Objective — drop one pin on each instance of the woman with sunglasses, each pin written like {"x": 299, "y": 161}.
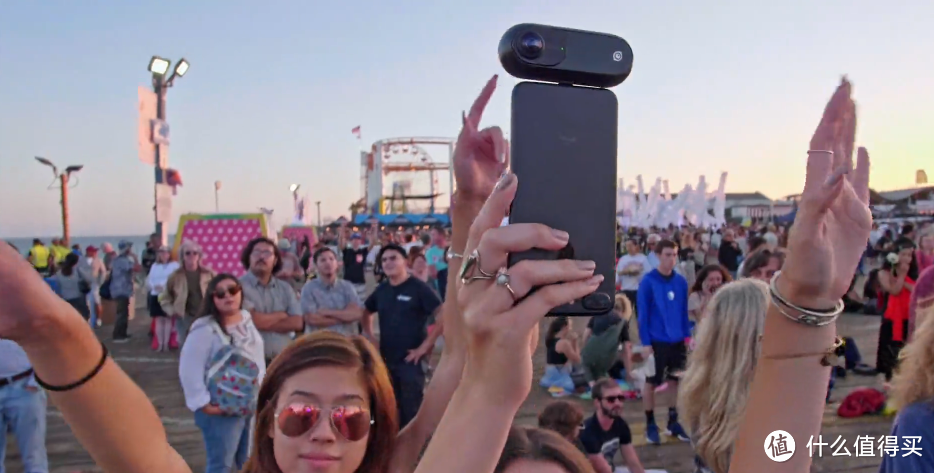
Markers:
{"x": 223, "y": 336}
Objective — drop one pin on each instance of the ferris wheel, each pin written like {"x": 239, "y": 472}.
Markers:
{"x": 403, "y": 175}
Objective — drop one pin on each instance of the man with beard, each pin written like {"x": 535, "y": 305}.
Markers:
{"x": 405, "y": 305}
{"x": 606, "y": 432}
{"x": 328, "y": 302}
{"x": 271, "y": 301}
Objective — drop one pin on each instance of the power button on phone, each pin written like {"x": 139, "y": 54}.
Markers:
{"x": 597, "y": 301}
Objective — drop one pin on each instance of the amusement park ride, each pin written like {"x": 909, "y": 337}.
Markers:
{"x": 404, "y": 163}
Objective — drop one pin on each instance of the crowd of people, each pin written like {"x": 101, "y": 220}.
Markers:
{"x": 285, "y": 374}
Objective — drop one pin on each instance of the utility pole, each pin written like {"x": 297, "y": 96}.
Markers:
{"x": 318, "y": 204}
{"x": 64, "y": 180}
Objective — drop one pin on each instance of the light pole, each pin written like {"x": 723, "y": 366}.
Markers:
{"x": 160, "y": 84}
{"x": 217, "y": 200}
{"x": 63, "y": 180}
{"x": 318, "y": 205}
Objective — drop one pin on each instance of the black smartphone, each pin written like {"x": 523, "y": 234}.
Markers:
{"x": 564, "y": 146}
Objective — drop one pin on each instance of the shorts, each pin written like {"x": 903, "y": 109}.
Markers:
{"x": 670, "y": 361}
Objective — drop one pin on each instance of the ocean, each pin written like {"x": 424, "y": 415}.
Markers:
{"x": 139, "y": 241}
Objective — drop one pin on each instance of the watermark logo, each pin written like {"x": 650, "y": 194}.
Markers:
{"x": 779, "y": 446}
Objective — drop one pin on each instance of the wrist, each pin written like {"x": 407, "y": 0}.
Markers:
{"x": 801, "y": 296}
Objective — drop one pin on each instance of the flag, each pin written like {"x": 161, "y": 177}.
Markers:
{"x": 356, "y": 131}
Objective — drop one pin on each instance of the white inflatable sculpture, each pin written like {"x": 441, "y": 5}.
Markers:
{"x": 635, "y": 208}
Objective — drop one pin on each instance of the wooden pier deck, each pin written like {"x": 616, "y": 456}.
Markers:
{"x": 156, "y": 373}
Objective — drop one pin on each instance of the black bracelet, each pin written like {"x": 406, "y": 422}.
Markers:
{"x": 82, "y": 381}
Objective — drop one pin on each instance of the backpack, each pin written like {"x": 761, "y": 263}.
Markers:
{"x": 232, "y": 378}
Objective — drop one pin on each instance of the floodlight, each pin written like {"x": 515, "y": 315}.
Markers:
{"x": 159, "y": 66}
{"x": 44, "y": 161}
{"x": 181, "y": 68}
{"x": 294, "y": 187}
{"x": 74, "y": 168}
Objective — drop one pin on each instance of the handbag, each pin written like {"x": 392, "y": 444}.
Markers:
{"x": 105, "y": 289}
{"x": 84, "y": 286}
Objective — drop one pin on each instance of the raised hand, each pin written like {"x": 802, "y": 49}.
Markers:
{"x": 480, "y": 156}
{"x": 833, "y": 221}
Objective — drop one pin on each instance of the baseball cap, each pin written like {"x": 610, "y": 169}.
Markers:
{"x": 124, "y": 244}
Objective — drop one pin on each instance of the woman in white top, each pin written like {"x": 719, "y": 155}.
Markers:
{"x": 158, "y": 275}
{"x": 223, "y": 321}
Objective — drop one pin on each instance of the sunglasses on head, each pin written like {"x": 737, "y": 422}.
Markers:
{"x": 220, "y": 292}
{"x": 350, "y": 422}
{"x": 616, "y": 398}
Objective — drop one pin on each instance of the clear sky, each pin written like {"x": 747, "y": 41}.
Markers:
{"x": 275, "y": 88}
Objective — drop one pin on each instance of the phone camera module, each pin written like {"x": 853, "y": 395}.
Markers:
{"x": 530, "y": 45}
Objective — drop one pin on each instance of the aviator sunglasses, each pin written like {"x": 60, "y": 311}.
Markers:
{"x": 220, "y": 292}
{"x": 350, "y": 422}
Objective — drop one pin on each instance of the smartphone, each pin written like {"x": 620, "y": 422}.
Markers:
{"x": 564, "y": 145}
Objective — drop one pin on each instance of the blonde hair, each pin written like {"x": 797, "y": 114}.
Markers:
{"x": 623, "y": 307}
{"x": 914, "y": 380}
{"x": 713, "y": 392}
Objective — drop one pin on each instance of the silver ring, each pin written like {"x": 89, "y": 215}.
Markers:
{"x": 503, "y": 279}
{"x": 472, "y": 262}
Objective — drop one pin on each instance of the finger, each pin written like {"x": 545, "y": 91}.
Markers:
{"x": 479, "y": 105}
{"x": 494, "y": 135}
{"x": 859, "y": 178}
{"x": 819, "y": 166}
{"x": 497, "y": 242}
{"x": 839, "y": 160}
{"x": 528, "y": 274}
{"x": 530, "y": 311}
{"x": 850, "y": 132}
{"x": 493, "y": 211}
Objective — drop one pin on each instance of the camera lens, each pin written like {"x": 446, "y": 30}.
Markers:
{"x": 531, "y": 45}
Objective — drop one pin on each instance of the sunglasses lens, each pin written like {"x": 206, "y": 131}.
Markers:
{"x": 352, "y": 423}
{"x": 298, "y": 420}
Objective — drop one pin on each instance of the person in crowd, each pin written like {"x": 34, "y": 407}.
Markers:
{"x": 912, "y": 394}
{"x": 663, "y": 328}
{"x": 715, "y": 386}
{"x": 922, "y": 298}
{"x": 23, "y": 406}
{"x": 630, "y": 269}
{"x": 185, "y": 288}
{"x": 95, "y": 267}
{"x": 771, "y": 236}
{"x": 40, "y": 257}
{"x": 538, "y": 450}
{"x": 149, "y": 256}
{"x": 109, "y": 255}
{"x": 124, "y": 268}
{"x": 224, "y": 421}
{"x": 690, "y": 256}
{"x": 405, "y": 304}
{"x": 436, "y": 254}
{"x": 650, "y": 243}
{"x": 562, "y": 352}
{"x": 156, "y": 280}
{"x": 272, "y": 303}
{"x": 76, "y": 249}
{"x": 754, "y": 244}
{"x": 418, "y": 266}
{"x": 354, "y": 259}
{"x": 897, "y": 279}
{"x": 291, "y": 271}
{"x": 925, "y": 253}
{"x": 605, "y": 432}
{"x": 602, "y": 339}
{"x": 565, "y": 418}
{"x": 74, "y": 284}
{"x": 304, "y": 254}
{"x": 328, "y": 302}
{"x": 59, "y": 250}
{"x": 709, "y": 279}
{"x": 762, "y": 264}
{"x": 730, "y": 252}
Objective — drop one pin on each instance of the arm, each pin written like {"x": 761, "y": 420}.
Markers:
{"x": 168, "y": 297}
{"x": 192, "y": 360}
{"x": 569, "y": 350}
{"x": 628, "y": 453}
{"x": 643, "y": 298}
{"x": 294, "y": 322}
{"x": 891, "y": 283}
{"x": 266, "y": 321}
{"x": 351, "y": 314}
{"x": 366, "y": 321}
{"x": 599, "y": 463}
{"x": 626, "y": 358}
{"x": 110, "y": 415}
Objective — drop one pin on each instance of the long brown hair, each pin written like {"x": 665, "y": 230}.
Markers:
{"x": 528, "y": 443}
{"x": 325, "y": 348}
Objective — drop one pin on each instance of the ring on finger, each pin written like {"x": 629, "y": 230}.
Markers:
{"x": 472, "y": 264}
{"x": 502, "y": 279}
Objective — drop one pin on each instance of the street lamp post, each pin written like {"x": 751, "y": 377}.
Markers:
{"x": 64, "y": 179}
{"x": 217, "y": 201}
{"x": 318, "y": 205}
{"x": 160, "y": 84}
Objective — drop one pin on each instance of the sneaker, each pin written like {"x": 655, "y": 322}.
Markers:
{"x": 122, "y": 340}
{"x": 675, "y": 430}
{"x": 651, "y": 434}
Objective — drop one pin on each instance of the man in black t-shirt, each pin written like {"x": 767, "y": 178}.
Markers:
{"x": 354, "y": 261}
{"x": 405, "y": 305}
{"x": 606, "y": 432}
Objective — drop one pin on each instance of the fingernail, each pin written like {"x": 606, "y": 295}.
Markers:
{"x": 586, "y": 265}
{"x": 560, "y": 235}
{"x": 595, "y": 279}
{"x": 838, "y": 174}
{"x": 505, "y": 180}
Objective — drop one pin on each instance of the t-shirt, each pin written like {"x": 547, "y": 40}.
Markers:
{"x": 607, "y": 442}
{"x": 913, "y": 432}
{"x": 404, "y": 311}
{"x": 435, "y": 257}
{"x": 318, "y": 295}
{"x": 631, "y": 283}
{"x": 354, "y": 261}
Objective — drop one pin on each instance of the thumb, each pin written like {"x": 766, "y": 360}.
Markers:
{"x": 494, "y": 210}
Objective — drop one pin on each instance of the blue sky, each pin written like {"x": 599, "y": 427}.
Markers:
{"x": 275, "y": 87}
